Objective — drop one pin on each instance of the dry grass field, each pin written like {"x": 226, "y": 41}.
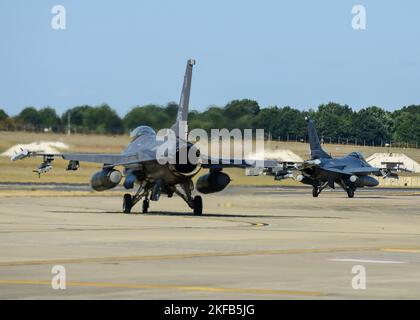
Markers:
{"x": 21, "y": 171}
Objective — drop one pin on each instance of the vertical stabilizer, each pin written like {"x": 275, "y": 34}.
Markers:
{"x": 316, "y": 150}
{"x": 183, "y": 108}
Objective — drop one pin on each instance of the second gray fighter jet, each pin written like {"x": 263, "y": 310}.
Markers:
{"x": 349, "y": 172}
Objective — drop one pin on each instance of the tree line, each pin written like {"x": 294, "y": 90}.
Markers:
{"x": 335, "y": 122}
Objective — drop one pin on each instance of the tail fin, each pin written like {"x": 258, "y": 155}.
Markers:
{"x": 180, "y": 126}
{"x": 316, "y": 150}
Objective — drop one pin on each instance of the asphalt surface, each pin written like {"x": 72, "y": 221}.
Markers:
{"x": 251, "y": 243}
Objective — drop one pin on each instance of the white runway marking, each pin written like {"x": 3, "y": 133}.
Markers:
{"x": 367, "y": 261}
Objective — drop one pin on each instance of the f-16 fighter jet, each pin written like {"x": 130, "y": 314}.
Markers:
{"x": 349, "y": 172}
{"x": 152, "y": 171}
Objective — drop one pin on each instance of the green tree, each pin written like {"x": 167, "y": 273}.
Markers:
{"x": 407, "y": 124}
{"x": 149, "y": 115}
{"x": 171, "y": 110}
{"x": 100, "y": 119}
{"x": 3, "y": 115}
{"x": 334, "y": 120}
{"x": 240, "y": 113}
{"x": 269, "y": 120}
{"x": 293, "y": 122}
{"x": 212, "y": 118}
{"x": 30, "y": 118}
{"x": 103, "y": 119}
{"x": 77, "y": 116}
{"x": 373, "y": 124}
{"x": 6, "y": 123}
{"x": 49, "y": 119}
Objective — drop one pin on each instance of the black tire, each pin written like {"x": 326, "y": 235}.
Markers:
{"x": 145, "y": 206}
{"x": 127, "y": 203}
{"x": 315, "y": 192}
{"x": 350, "y": 192}
{"x": 198, "y": 206}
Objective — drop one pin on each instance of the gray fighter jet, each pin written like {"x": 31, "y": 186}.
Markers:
{"x": 143, "y": 166}
{"x": 350, "y": 172}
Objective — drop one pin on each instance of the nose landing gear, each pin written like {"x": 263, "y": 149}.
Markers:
{"x": 350, "y": 192}
{"x": 317, "y": 189}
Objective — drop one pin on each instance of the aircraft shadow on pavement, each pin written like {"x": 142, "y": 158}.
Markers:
{"x": 228, "y": 215}
{"x": 190, "y": 214}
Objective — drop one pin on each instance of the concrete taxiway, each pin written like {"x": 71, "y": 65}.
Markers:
{"x": 251, "y": 243}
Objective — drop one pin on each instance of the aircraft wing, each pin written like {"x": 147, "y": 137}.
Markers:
{"x": 219, "y": 163}
{"x": 379, "y": 172}
{"x": 364, "y": 170}
{"x": 108, "y": 160}
{"x": 100, "y": 158}
{"x": 352, "y": 171}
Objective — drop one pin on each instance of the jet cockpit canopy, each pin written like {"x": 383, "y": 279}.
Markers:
{"x": 142, "y": 131}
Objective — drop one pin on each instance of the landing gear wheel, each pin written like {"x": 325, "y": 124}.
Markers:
{"x": 145, "y": 207}
{"x": 350, "y": 192}
{"x": 127, "y": 203}
{"x": 198, "y": 206}
{"x": 315, "y": 192}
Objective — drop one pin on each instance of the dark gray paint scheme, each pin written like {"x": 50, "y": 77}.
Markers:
{"x": 141, "y": 166}
{"x": 321, "y": 171}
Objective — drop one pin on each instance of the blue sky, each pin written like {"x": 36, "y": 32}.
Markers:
{"x": 125, "y": 53}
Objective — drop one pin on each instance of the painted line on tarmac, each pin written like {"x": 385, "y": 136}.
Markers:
{"x": 366, "y": 261}
{"x": 401, "y": 250}
{"x": 169, "y": 287}
{"x": 192, "y": 255}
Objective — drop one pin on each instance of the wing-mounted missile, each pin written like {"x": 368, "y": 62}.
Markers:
{"x": 283, "y": 170}
{"x": 280, "y": 170}
{"x": 308, "y": 164}
{"x": 45, "y": 166}
{"x": 283, "y": 174}
{"x": 261, "y": 167}
{"x": 304, "y": 179}
{"x": 22, "y": 154}
{"x": 387, "y": 173}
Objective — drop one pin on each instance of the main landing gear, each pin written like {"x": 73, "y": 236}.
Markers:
{"x": 184, "y": 191}
{"x": 129, "y": 201}
{"x": 198, "y": 206}
{"x": 145, "y": 206}
{"x": 317, "y": 189}
{"x": 349, "y": 187}
{"x": 195, "y": 203}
